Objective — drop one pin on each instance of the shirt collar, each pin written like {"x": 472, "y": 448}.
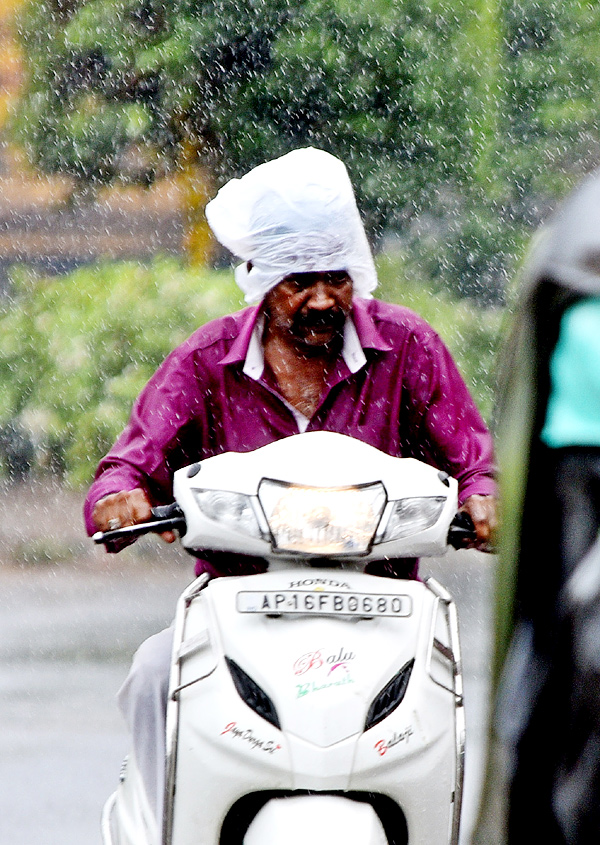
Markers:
{"x": 255, "y": 357}
{"x": 360, "y": 333}
{"x": 366, "y": 329}
{"x": 239, "y": 347}
{"x": 254, "y": 364}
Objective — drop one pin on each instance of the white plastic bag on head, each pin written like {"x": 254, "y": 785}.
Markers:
{"x": 295, "y": 214}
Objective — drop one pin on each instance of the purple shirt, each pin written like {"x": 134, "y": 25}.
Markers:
{"x": 407, "y": 399}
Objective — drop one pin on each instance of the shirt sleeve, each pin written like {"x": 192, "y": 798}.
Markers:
{"x": 449, "y": 428}
{"x": 153, "y": 443}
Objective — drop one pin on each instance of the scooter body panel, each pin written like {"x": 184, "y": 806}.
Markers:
{"x": 310, "y": 686}
{"x": 322, "y": 674}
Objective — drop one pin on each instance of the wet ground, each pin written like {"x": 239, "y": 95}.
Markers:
{"x": 71, "y": 617}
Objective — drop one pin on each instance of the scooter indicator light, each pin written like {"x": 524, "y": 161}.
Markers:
{"x": 410, "y": 516}
{"x": 234, "y": 510}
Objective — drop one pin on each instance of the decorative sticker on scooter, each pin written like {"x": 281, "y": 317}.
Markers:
{"x": 269, "y": 746}
{"x": 332, "y": 668}
{"x": 316, "y": 660}
{"x": 382, "y": 746}
{"x": 306, "y": 689}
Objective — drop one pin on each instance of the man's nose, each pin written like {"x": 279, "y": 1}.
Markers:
{"x": 320, "y": 297}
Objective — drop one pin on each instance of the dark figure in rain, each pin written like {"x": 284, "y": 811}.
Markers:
{"x": 548, "y": 709}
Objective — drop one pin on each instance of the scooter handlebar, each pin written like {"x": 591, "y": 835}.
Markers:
{"x": 165, "y": 518}
{"x": 170, "y": 517}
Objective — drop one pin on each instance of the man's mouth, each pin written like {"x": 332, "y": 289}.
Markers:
{"x": 330, "y": 323}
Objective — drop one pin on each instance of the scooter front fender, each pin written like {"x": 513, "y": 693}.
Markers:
{"x": 318, "y": 819}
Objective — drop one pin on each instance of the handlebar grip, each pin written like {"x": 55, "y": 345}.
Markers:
{"x": 462, "y": 531}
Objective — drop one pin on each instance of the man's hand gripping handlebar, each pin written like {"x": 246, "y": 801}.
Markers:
{"x": 165, "y": 518}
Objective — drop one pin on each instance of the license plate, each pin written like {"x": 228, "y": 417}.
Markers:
{"x": 323, "y": 603}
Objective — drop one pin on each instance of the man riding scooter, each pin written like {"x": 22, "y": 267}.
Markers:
{"x": 316, "y": 353}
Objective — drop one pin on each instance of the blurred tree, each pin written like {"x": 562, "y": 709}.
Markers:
{"x": 121, "y": 88}
{"x": 532, "y": 131}
{"x": 10, "y": 58}
{"x": 553, "y": 96}
{"x": 459, "y": 121}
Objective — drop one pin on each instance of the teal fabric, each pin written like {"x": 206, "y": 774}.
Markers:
{"x": 573, "y": 414}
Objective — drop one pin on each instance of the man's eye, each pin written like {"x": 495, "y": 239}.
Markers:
{"x": 299, "y": 283}
{"x": 337, "y": 280}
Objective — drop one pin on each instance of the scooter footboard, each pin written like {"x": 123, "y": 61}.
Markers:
{"x": 318, "y": 819}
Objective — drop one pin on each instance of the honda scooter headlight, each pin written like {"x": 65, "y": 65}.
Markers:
{"x": 233, "y": 510}
{"x": 409, "y": 516}
{"x": 322, "y": 520}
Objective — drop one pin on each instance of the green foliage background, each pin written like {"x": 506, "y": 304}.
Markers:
{"x": 76, "y": 350}
{"x": 461, "y": 122}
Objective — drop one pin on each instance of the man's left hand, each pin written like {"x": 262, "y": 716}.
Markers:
{"x": 482, "y": 510}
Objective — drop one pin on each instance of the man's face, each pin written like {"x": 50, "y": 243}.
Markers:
{"x": 310, "y": 309}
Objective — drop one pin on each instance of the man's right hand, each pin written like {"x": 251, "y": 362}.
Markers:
{"x": 129, "y": 507}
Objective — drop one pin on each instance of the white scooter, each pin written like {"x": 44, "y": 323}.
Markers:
{"x": 313, "y": 703}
